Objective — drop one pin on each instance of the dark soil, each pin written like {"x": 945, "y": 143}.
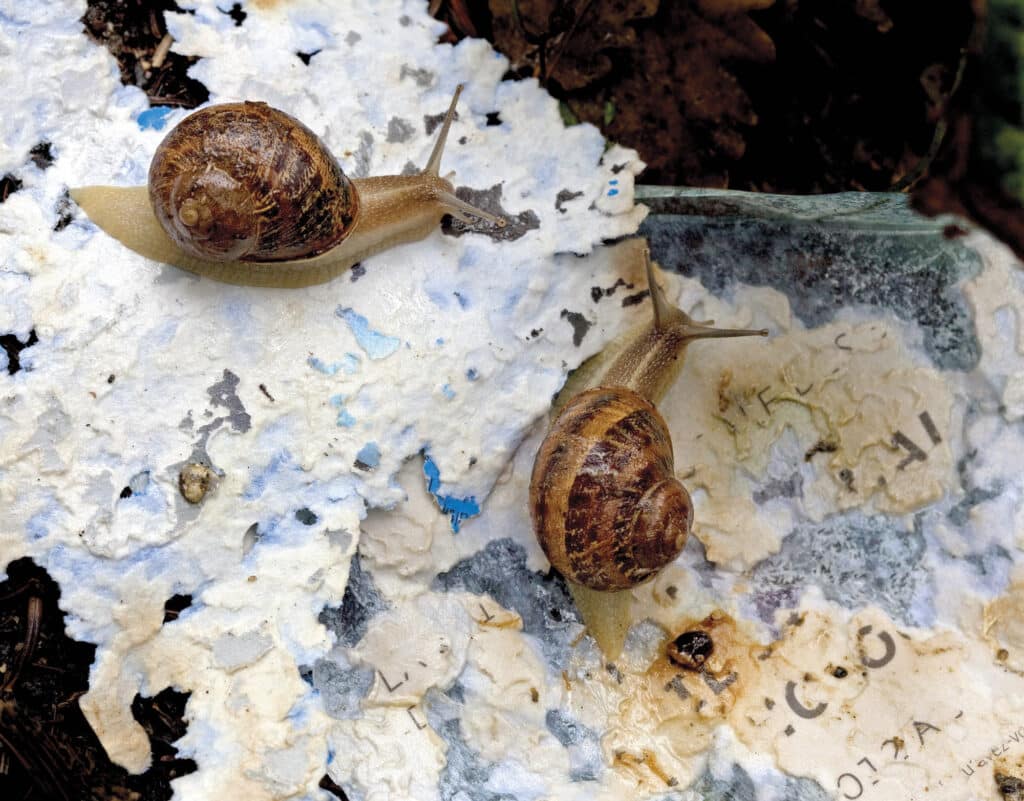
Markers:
{"x": 47, "y": 749}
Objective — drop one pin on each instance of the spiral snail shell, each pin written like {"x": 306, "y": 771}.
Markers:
{"x": 246, "y": 194}
{"x": 625, "y": 515}
{"x": 607, "y": 508}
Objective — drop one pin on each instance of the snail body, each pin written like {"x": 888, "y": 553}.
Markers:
{"x": 246, "y": 194}
{"x": 607, "y": 509}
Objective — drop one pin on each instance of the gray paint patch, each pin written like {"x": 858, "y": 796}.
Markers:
{"x": 422, "y": 77}
{"x": 341, "y": 687}
{"x": 431, "y": 121}
{"x": 360, "y": 603}
{"x": 564, "y": 196}
{"x": 225, "y": 394}
{"x": 583, "y": 743}
{"x": 580, "y": 325}
{"x": 855, "y": 559}
{"x": 362, "y": 155}
{"x": 825, "y": 268}
{"x": 542, "y": 601}
{"x": 738, "y": 786}
{"x": 791, "y": 487}
{"x": 400, "y": 130}
{"x": 516, "y": 225}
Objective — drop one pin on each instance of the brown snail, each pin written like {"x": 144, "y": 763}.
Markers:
{"x": 246, "y": 194}
{"x": 607, "y": 509}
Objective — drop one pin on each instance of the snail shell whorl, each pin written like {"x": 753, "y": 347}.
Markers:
{"x": 606, "y": 506}
{"x": 246, "y": 182}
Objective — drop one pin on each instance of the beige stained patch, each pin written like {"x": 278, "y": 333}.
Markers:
{"x": 661, "y": 718}
{"x": 1004, "y": 627}
{"x": 872, "y": 711}
{"x": 872, "y": 423}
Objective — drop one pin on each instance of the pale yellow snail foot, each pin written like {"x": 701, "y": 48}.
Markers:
{"x": 607, "y": 616}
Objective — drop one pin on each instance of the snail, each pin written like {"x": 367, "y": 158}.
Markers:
{"x": 246, "y": 194}
{"x": 607, "y": 508}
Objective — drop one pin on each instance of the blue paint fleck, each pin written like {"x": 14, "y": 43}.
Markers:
{"x": 613, "y": 192}
{"x": 439, "y": 341}
{"x": 37, "y": 526}
{"x": 463, "y": 301}
{"x": 614, "y": 182}
{"x": 457, "y": 508}
{"x": 376, "y": 344}
{"x": 258, "y": 483}
{"x": 349, "y": 364}
{"x": 154, "y": 118}
{"x": 369, "y": 455}
{"x": 447, "y": 391}
{"x": 345, "y": 418}
{"x": 472, "y": 374}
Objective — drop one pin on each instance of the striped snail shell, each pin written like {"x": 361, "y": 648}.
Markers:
{"x": 246, "y": 194}
{"x": 246, "y": 182}
{"x": 607, "y": 508}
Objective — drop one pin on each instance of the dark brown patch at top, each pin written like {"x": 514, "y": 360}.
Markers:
{"x": 132, "y": 32}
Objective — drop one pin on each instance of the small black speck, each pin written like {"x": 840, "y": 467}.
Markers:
{"x": 556, "y": 614}
{"x": 305, "y": 57}
{"x": 790, "y": 730}
{"x": 41, "y": 155}
{"x": 617, "y": 168}
{"x": 306, "y": 517}
{"x": 536, "y": 332}
{"x": 632, "y": 300}
{"x": 126, "y": 492}
{"x": 236, "y": 13}
{"x": 265, "y": 391}
{"x": 111, "y": 378}
{"x": 840, "y": 672}
{"x": 463, "y": 140}
{"x": 472, "y": 461}
{"x": 357, "y": 271}
{"x": 359, "y": 464}
{"x": 494, "y": 118}
{"x": 65, "y": 215}
{"x": 404, "y": 20}
{"x": 563, "y": 196}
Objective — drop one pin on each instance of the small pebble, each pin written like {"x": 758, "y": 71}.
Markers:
{"x": 195, "y": 481}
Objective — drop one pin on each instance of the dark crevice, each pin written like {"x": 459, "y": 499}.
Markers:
{"x": 8, "y": 186}
{"x": 13, "y": 347}
{"x": 41, "y": 155}
{"x": 175, "y": 605}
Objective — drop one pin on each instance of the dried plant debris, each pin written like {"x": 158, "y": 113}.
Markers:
{"x": 47, "y": 749}
{"x": 135, "y": 33}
